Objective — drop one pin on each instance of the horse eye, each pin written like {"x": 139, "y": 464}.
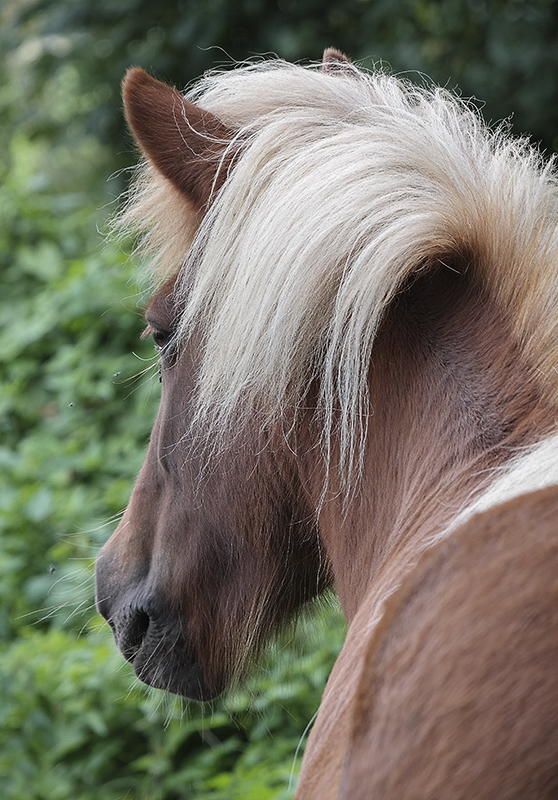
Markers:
{"x": 160, "y": 336}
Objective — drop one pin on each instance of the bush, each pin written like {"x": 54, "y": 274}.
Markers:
{"x": 502, "y": 52}
{"x": 73, "y": 422}
{"x": 74, "y": 725}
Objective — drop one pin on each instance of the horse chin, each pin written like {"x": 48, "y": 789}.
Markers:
{"x": 162, "y": 657}
{"x": 172, "y": 675}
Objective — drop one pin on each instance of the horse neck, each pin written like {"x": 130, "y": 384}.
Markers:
{"x": 451, "y": 399}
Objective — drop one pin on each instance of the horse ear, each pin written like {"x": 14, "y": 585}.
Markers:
{"x": 333, "y": 60}
{"x": 184, "y": 142}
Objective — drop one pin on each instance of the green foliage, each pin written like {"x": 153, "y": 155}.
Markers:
{"x": 74, "y": 725}
{"x": 503, "y": 52}
{"x": 72, "y": 421}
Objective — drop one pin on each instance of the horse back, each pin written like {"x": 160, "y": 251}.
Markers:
{"x": 454, "y": 693}
{"x": 458, "y": 694}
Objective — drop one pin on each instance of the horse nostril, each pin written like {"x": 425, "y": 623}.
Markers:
{"x": 134, "y": 634}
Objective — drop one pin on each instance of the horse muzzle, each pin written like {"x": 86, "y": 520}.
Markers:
{"x": 150, "y": 636}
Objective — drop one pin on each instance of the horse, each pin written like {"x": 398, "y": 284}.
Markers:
{"x": 355, "y": 294}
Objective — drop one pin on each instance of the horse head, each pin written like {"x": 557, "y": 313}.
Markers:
{"x": 217, "y": 546}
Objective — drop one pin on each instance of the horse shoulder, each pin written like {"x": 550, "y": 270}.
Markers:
{"x": 458, "y": 691}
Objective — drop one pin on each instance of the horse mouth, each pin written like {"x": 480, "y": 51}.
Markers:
{"x": 161, "y": 656}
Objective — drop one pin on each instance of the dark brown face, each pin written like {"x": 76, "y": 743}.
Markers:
{"x": 210, "y": 555}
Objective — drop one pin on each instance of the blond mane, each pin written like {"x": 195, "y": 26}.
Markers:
{"x": 344, "y": 186}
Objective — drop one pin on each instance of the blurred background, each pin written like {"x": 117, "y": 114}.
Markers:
{"x": 78, "y": 395}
